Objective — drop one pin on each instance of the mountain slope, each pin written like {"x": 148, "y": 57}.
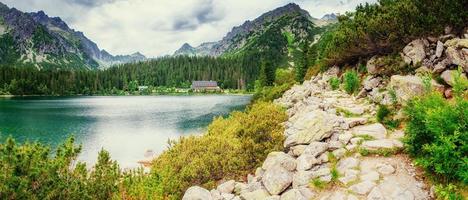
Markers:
{"x": 279, "y": 31}
{"x": 35, "y": 39}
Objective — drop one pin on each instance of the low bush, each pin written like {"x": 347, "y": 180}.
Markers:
{"x": 31, "y": 171}
{"x": 270, "y": 93}
{"x": 231, "y": 148}
{"x": 385, "y": 116}
{"x": 437, "y": 136}
{"x": 334, "y": 83}
{"x": 351, "y": 81}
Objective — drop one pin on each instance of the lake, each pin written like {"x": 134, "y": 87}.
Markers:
{"x": 131, "y": 128}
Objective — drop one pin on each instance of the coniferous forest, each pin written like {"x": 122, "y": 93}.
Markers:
{"x": 234, "y": 73}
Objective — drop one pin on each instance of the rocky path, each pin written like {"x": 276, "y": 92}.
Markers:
{"x": 334, "y": 149}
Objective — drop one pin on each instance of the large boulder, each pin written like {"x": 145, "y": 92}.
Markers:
{"x": 374, "y": 65}
{"x": 277, "y": 179}
{"x": 197, "y": 193}
{"x": 414, "y": 52}
{"x": 227, "y": 187}
{"x": 297, "y": 194}
{"x": 279, "y": 159}
{"x": 371, "y": 83}
{"x": 260, "y": 194}
{"x": 439, "y": 49}
{"x": 382, "y": 144}
{"x": 314, "y": 126}
{"x": 363, "y": 187}
{"x": 457, "y": 52}
{"x": 377, "y": 130}
{"x": 409, "y": 86}
{"x": 449, "y": 76}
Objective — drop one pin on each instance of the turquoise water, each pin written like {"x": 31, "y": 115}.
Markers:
{"x": 131, "y": 128}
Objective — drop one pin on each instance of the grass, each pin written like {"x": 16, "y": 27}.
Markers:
{"x": 346, "y": 113}
{"x": 386, "y": 152}
{"x": 366, "y": 137}
{"x": 316, "y": 183}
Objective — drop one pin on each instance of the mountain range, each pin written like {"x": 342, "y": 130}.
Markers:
{"x": 290, "y": 21}
{"x": 35, "y": 39}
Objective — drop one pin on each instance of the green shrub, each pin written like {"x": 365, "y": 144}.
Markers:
{"x": 382, "y": 113}
{"x": 334, "y": 83}
{"x": 437, "y": 135}
{"x": 231, "y": 148}
{"x": 386, "y": 26}
{"x": 351, "y": 81}
{"x": 31, "y": 171}
{"x": 448, "y": 192}
{"x": 271, "y": 93}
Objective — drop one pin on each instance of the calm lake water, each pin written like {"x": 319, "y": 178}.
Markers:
{"x": 130, "y": 128}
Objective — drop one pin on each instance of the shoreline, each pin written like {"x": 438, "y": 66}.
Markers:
{"x": 130, "y": 95}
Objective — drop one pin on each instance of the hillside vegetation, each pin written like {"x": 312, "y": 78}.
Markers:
{"x": 234, "y": 146}
{"x": 386, "y": 27}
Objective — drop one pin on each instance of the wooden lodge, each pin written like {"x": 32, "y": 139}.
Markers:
{"x": 205, "y": 86}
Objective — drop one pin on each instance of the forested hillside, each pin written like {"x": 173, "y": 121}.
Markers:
{"x": 235, "y": 73}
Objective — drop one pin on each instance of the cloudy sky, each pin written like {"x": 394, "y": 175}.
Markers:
{"x": 159, "y": 27}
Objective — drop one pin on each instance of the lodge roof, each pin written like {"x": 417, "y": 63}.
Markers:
{"x": 198, "y": 84}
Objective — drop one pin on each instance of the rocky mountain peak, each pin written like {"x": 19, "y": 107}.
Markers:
{"x": 330, "y": 17}
{"x": 290, "y": 17}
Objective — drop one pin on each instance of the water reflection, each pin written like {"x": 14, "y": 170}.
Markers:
{"x": 125, "y": 126}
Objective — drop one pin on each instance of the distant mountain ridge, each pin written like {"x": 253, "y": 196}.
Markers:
{"x": 35, "y": 39}
{"x": 289, "y": 19}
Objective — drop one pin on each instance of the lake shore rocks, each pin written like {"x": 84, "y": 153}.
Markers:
{"x": 323, "y": 146}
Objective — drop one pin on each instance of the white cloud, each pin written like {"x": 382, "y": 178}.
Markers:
{"x": 159, "y": 27}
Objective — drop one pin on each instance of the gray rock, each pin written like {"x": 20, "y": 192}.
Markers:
{"x": 297, "y": 150}
{"x": 279, "y": 159}
{"x": 275, "y": 197}
{"x": 347, "y": 163}
{"x": 441, "y": 66}
{"x": 448, "y": 76}
{"x": 227, "y": 196}
{"x": 226, "y": 187}
{"x": 414, "y": 52}
{"x": 375, "y": 194}
{"x": 197, "y": 193}
{"x": 363, "y": 187}
{"x": 409, "y": 86}
{"x": 306, "y": 161}
{"x": 439, "y": 49}
{"x": 302, "y": 178}
{"x": 259, "y": 194}
{"x": 277, "y": 179}
{"x": 315, "y": 126}
{"x": 293, "y": 194}
{"x": 334, "y": 145}
{"x": 458, "y": 57}
{"x": 382, "y": 144}
{"x": 376, "y": 130}
{"x": 355, "y": 110}
{"x": 350, "y": 175}
{"x": 239, "y": 187}
{"x": 216, "y": 195}
{"x": 339, "y": 153}
{"x": 385, "y": 169}
{"x": 374, "y": 65}
{"x": 370, "y": 176}
{"x": 371, "y": 83}
{"x": 316, "y": 148}
{"x": 355, "y": 121}
{"x": 345, "y": 138}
